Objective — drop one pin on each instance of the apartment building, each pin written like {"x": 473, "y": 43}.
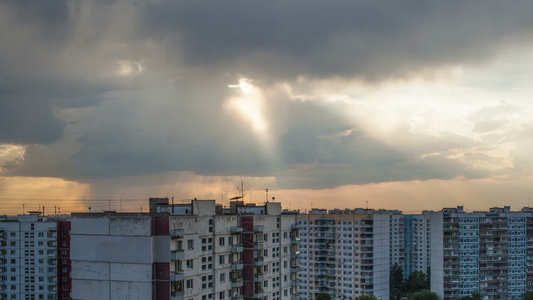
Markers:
{"x": 186, "y": 251}
{"x": 480, "y": 251}
{"x": 417, "y": 243}
{"x": 29, "y": 264}
{"x": 345, "y": 253}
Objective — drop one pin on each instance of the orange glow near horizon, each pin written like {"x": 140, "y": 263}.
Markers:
{"x": 409, "y": 197}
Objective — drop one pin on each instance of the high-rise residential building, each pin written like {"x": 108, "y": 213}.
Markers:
{"x": 417, "y": 241}
{"x": 345, "y": 253}
{"x": 29, "y": 257}
{"x": 349, "y": 253}
{"x": 186, "y": 251}
{"x": 483, "y": 252}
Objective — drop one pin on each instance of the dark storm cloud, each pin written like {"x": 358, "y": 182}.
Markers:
{"x": 60, "y": 92}
{"x": 372, "y": 40}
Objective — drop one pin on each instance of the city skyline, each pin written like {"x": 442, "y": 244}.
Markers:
{"x": 411, "y": 106}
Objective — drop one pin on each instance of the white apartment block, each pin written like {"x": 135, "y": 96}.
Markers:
{"x": 345, "y": 253}
{"x": 28, "y": 258}
{"x": 192, "y": 251}
{"x": 417, "y": 239}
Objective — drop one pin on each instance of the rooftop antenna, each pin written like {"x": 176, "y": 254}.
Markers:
{"x": 242, "y": 190}
{"x": 23, "y": 209}
{"x": 172, "y": 204}
{"x": 267, "y": 194}
{"x": 366, "y": 204}
{"x": 241, "y": 196}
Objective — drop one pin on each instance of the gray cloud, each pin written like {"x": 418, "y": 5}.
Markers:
{"x": 60, "y": 93}
{"x": 280, "y": 39}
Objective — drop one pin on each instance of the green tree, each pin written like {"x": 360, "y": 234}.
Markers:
{"x": 474, "y": 296}
{"x": 528, "y": 295}
{"x": 418, "y": 281}
{"x": 323, "y": 296}
{"x": 396, "y": 282}
{"x": 423, "y": 295}
{"x": 366, "y": 298}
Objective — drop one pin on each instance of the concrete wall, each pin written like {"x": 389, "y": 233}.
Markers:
{"x": 203, "y": 207}
{"x": 381, "y": 255}
{"x": 112, "y": 257}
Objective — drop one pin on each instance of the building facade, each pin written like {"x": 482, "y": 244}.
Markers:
{"x": 485, "y": 252}
{"x": 29, "y": 266}
{"x": 345, "y": 253}
{"x": 186, "y": 251}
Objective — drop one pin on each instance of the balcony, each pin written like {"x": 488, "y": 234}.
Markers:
{"x": 294, "y": 226}
{"x": 237, "y": 297}
{"x": 295, "y": 241}
{"x": 258, "y": 228}
{"x": 177, "y": 255}
{"x": 237, "y": 283}
{"x": 295, "y": 283}
{"x": 295, "y": 269}
{"x": 259, "y": 246}
{"x": 236, "y": 229}
{"x": 259, "y": 261}
{"x": 237, "y": 266}
{"x": 177, "y": 276}
{"x": 179, "y": 233}
{"x": 259, "y": 294}
{"x": 259, "y": 278}
{"x": 237, "y": 249}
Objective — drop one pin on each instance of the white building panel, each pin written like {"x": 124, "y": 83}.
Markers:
{"x": 90, "y": 290}
{"x": 130, "y": 226}
{"x": 131, "y": 272}
{"x": 90, "y": 226}
{"x": 120, "y": 249}
{"x": 131, "y": 290}
{"x": 90, "y": 270}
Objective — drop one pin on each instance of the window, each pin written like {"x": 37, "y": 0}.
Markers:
{"x": 221, "y": 295}
{"x": 189, "y": 283}
{"x": 190, "y": 244}
{"x": 221, "y": 259}
{"x": 222, "y": 277}
{"x": 189, "y": 264}
{"x": 221, "y": 241}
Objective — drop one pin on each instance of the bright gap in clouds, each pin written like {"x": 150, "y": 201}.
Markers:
{"x": 469, "y": 113}
{"x": 249, "y": 105}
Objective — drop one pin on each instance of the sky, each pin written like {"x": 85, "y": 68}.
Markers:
{"x": 408, "y": 105}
